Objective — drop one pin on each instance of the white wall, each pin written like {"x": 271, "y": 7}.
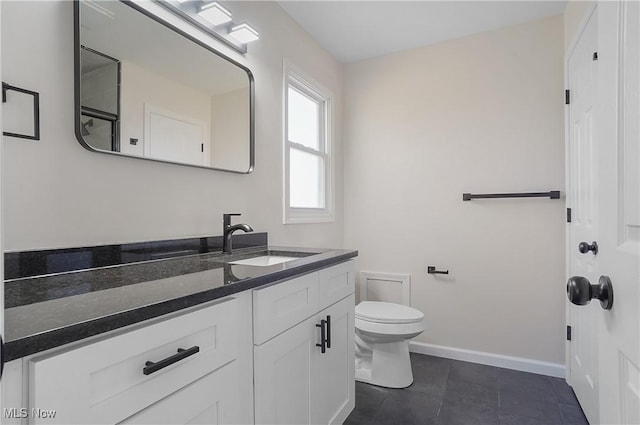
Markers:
{"x": 229, "y": 130}
{"x": 480, "y": 114}
{"x": 58, "y": 194}
{"x": 574, "y": 13}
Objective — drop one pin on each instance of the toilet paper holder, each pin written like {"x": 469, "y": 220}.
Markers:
{"x": 432, "y": 270}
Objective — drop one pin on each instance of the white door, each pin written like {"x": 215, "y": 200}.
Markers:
{"x": 618, "y": 151}
{"x": 581, "y": 195}
{"x": 169, "y": 137}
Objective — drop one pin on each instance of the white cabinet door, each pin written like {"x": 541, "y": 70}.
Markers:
{"x": 295, "y": 383}
{"x": 332, "y": 372}
{"x": 282, "y": 375}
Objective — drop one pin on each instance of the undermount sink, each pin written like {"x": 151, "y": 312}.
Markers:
{"x": 265, "y": 260}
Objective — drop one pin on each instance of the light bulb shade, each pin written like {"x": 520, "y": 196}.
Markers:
{"x": 244, "y": 33}
{"x": 215, "y": 14}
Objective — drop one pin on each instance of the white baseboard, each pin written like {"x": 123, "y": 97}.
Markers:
{"x": 508, "y": 362}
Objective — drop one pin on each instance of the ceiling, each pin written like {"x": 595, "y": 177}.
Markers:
{"x": 357, "y": 30}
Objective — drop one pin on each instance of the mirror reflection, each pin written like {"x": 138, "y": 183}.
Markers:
{"x": 147, "y": 91}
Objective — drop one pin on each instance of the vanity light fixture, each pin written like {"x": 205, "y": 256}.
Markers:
{"x": 214, "y": 13}
{"x": 244, "y": 33}
{"x": 214, "y": 19}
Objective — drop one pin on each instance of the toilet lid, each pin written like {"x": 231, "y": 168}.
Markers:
{"x": 381, "y": 312}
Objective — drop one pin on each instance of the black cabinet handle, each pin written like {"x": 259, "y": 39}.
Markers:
{"x": 1, "y": 357}
{"x": 323, "y": 339}
{"x": 328, "y": 321}
{"x": 151, "y": 367}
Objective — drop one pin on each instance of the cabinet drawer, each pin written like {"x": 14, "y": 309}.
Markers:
{"x": 278, "y": 307}
{"x": 335, "y": 283}
{"x": 104, "y": 381}
{"x": 211, "y": 400}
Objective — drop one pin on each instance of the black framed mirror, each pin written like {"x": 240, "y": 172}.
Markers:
{"x": 146, "y": 89}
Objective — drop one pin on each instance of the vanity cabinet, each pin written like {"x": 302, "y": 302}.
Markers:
{"x": 122, "y": 379}
{"x": 251, "y": 357}
{"x": 295, "y": 382}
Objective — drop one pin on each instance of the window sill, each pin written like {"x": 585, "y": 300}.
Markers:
{"x": 309, "y": 218}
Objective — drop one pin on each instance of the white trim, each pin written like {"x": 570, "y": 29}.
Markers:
{"x": 403, "y": 278}
{"x": 523, "y": 364}
{"x": 305, "y": 83}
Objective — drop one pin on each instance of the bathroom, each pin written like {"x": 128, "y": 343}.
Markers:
{"x": 428, "y": 103}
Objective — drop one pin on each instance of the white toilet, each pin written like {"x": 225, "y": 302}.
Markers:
{"x": 383, "y": 331}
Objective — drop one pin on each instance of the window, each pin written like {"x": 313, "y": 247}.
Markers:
{"x": 307, "y": 130}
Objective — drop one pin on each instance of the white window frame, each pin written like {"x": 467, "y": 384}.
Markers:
{"x": 294, "y": 77}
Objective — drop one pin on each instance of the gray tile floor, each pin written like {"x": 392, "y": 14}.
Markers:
{"x": 450, "y": 392}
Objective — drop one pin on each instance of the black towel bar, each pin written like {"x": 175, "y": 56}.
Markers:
{"x": 554, "y": 194}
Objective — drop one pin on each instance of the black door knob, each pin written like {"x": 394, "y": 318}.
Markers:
{"x": 585, "y": 247}
{"x": 580, "y": 291}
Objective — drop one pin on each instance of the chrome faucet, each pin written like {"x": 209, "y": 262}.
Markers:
{"x": 228, "y": 229}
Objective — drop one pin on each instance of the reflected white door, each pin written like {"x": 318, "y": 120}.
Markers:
{"x": 618, "y": 151}
{"x": 169, "y": 137}
{"x": 582, "y": 192}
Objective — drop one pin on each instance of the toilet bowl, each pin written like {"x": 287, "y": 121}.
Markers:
{"x": 383, "y": 331}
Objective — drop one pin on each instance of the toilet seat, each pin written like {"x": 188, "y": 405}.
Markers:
{"x": 387, "y": 313}
{"x": 388, "y": 321}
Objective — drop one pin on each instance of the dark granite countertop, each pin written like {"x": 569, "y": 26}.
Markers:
{"x": 44, "y": 312}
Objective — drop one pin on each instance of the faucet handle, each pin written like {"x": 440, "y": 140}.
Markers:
{"x": 226, "y": 218}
